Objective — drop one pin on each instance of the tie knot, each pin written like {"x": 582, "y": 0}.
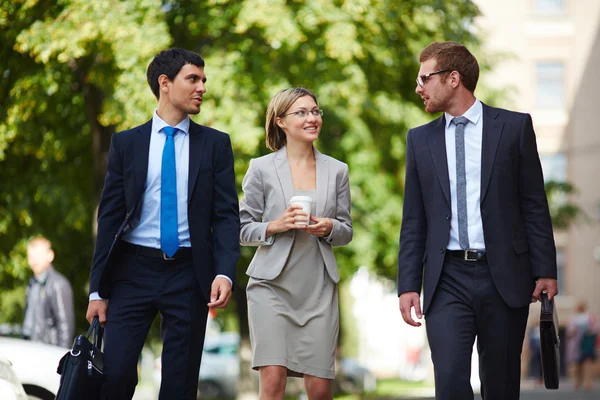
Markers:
{"x": 460, "y": 120}
{"x": 170, "y": 131}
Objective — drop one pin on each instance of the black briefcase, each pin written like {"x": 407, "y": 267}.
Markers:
{"x": 550, "y": 343}
{"x": 81, "y": 368}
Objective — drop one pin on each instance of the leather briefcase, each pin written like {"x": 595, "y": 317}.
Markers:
{"x": 81, "y": 368}
{"x": 550, "y": 343}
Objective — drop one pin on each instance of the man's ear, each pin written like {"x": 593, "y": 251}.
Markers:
{"x": 455, "y": 79}
{"x": 50, "y": 256}
{"x": 163, "y": 83}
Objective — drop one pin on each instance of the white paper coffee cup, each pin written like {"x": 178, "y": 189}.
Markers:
{"x": 305, "y": 202}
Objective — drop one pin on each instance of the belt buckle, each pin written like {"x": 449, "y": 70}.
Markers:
{"x": 167, "y": 258}
{"x": 469, "y": 251}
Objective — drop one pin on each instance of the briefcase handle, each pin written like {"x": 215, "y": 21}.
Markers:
{"x": 98, "y": 332}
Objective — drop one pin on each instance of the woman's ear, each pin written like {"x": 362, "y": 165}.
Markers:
{"x": 279, "y": 122}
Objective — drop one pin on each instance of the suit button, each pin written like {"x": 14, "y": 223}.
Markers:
{"x": 483, "y": 211}
{"x": 442, "y": 250}
{"x": 447, "y": 217}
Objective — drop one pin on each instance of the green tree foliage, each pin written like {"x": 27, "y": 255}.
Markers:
{"x": 73, "y": 74}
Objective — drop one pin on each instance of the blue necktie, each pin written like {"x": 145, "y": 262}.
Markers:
{"x": 169, "y": 240}
{"x": 461, "y": 182}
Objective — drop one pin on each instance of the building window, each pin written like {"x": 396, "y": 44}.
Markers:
{"x": 554, "y": 167}
{"x": 550, "y": 7}
{"x": 550, "y": 85}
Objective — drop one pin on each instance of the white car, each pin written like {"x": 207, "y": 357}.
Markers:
{"x": 35, "y": 365}
{"x": 219, "y": 370}
{"x": 10, "y": 386}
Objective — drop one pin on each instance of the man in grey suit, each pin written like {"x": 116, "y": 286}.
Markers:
{"x": 476, "y": 231}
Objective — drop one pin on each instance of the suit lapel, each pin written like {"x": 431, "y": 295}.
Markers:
{"x": 322, "y": 182}
{"x": 492, "y": 130}
{"x": 436, "y": 139}
{"x": 284, "y": 174}
{"x": 141, "y": 150}
{"x": 197, "y": 143}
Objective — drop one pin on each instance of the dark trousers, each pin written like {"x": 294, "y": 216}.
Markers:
{"x": 466, "y": 305}
{"x": 141, "y": 288}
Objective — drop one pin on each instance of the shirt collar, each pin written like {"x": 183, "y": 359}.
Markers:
{"x": 41, "y": 277}
{"x": 473, "y": 114}
{"x": 158, "y": 123}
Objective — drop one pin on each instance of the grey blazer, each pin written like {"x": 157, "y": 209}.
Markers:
{"x": 268, "y": 189}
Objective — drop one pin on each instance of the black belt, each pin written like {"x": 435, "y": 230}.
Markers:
{"x": 468, "y": 255}
{"x": 184, "y": 253}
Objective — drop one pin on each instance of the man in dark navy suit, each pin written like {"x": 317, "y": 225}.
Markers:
{"x": 168, "y": 230}
{"x": 476, "y": 232}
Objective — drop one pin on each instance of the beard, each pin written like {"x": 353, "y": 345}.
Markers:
{"x": 437, "y": 105}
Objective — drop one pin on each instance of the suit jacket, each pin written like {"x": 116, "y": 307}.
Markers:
{"x": 514, "y": 210}
{"x": 212, "y": 203}
{"x": 268, "y": 189}
{"x": 53, "y": 313}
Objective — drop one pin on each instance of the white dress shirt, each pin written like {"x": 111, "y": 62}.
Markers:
{"x": 145, "y": 226}
{"x": 473, "y": 144}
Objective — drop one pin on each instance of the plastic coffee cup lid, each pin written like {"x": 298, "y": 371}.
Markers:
{"x": 301, "y": 198}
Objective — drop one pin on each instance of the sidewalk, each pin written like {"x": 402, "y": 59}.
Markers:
{"x": 529, "y": 391}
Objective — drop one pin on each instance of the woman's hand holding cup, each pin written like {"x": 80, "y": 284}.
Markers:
{"x": 290, "y": 219}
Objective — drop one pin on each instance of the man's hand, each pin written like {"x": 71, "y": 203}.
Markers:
{"x": 220, "y": 293}
{"x": 96, "y": 308}
{"x": 408, "y": 300}
{"x": 548, "y": 285}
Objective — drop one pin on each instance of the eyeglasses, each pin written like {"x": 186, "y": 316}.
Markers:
{"x": 316, "y": 112}
{"x": 422, "y": 79}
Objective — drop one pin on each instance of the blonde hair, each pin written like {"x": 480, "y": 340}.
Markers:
{"x": 39, "y": 241}
{"x": 278, "y": 106}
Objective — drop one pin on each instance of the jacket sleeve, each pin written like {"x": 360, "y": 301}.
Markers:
{"x": 534, "y": 206}
{"x": 63, "y": 310}
{"x": 111, "y": 211}
{"x": 413, "y": 233}
{"x": 225, "y": 214}
{"x": 253, "y": 230}
{"x": 341, "y": 233}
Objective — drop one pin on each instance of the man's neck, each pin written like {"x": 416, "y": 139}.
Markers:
{"x": 461, "y": 104}
{"x": 170, "y": 115}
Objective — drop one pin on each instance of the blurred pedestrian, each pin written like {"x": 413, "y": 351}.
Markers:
{"x": 582, "y": 336}
{"x": 292, "y": 290}
{"x": 476, "y": 232}
{"x": 535, "y": 353}
{"x": 49, "y": 313}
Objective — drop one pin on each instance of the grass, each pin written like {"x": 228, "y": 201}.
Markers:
{"x": 387, "y": 389}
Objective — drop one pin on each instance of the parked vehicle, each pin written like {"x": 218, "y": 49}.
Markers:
{"x": 355, "y": 378}
{"x": 10, "y": 386}
{"x": 35, "y": 365}
{"x": 220, "y": 367}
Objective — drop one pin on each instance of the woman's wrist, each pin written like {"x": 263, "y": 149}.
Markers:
{"x": 271, "y": 229}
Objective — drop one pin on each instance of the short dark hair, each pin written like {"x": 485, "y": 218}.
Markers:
{"x": 454, "y": 57}
{"x": 170, "y": 62}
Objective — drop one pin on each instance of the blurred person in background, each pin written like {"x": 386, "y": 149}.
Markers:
{"x": 292, "y": 291}
{"x": 476, "y": 232}
{"x": 535, "y": 353}
{"x": 582, "y": 337}
{"x": 49, "y": 313}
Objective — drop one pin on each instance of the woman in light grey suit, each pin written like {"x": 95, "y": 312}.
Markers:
{"x": 292, "y": 292}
